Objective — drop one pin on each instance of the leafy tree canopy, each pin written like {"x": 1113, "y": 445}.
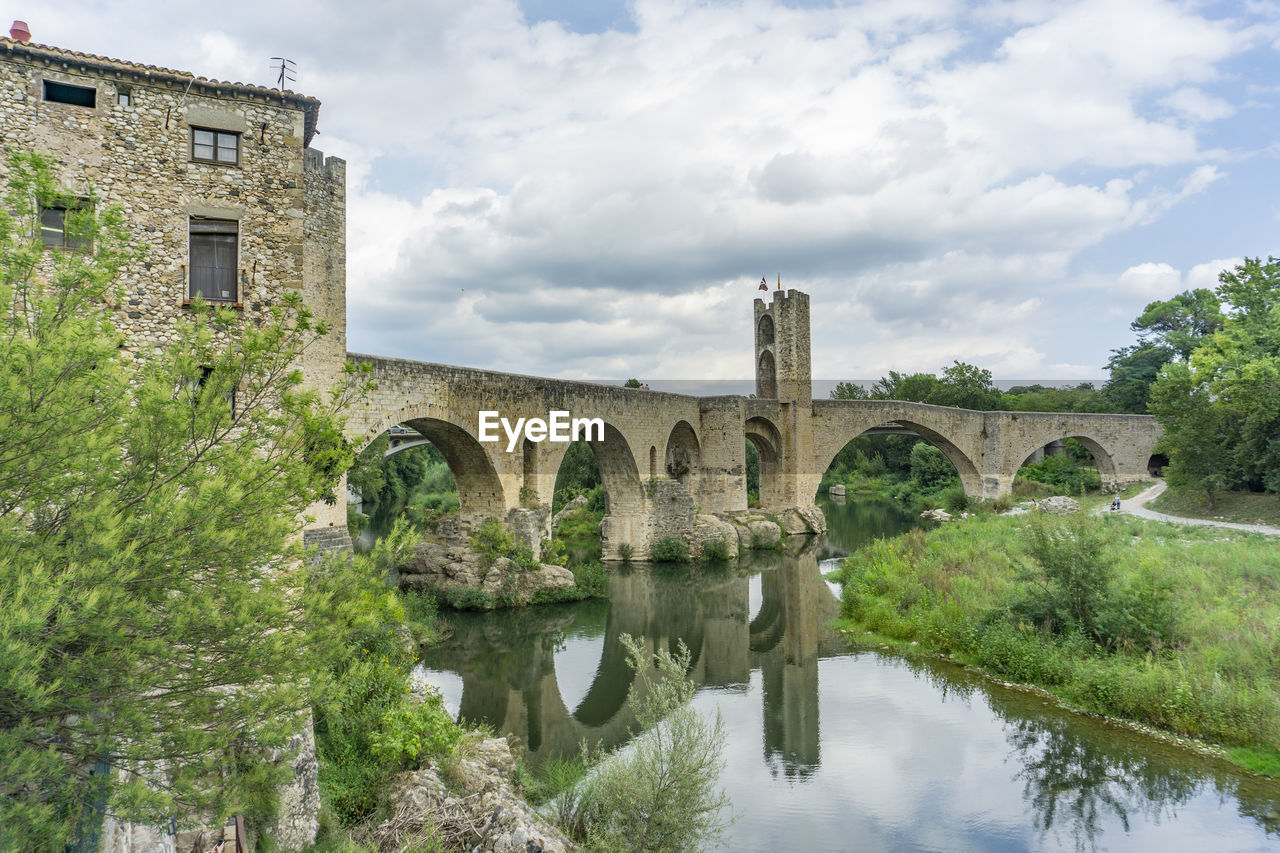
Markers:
{"x": 1221, "y": 409}
{"x": 155, "y": 613}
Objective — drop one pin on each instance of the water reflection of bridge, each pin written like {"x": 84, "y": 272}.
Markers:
{"x": 508, "y": 665}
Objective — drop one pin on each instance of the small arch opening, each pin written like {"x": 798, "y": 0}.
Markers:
{"x": 766, "y": 377}
{"x": 764, "y": 332}
{"x": 764, "y": 464}
{"x": 684, "y": 455}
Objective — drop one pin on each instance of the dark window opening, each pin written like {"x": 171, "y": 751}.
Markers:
{"x": 65, "y": 93}
{"x": 196, "y": 388}
{"x": 214, "y": 259}
{"x": 56, "y": 231}
{"x": 215, "y": 146}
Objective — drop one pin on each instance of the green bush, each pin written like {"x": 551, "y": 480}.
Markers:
{"x": 492, "y": 540}
{"x": 669, "y": 549}
{"x": 553, "y": 552}
{"x": 1063, "y": 473}
{"x": 589, "y": 581}
{"x": 761, "y": 541}
{"x": 356, "y": 521}
{"x": 413, "y": 730}
{"x": 468, "y": 598}
{"x": 930, "y": 467}
{"x": 625, "y": 551}
{"x": 363, "y": 688}
{"x": 661, "y": 795}
{"x": 715, "y": 550}
{"x": 1075, "y": 568}
{"x": 955, "y": 500}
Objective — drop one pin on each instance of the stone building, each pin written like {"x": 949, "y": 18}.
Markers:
{"x": 220, "y": 187}
{"x": 217, "y": 181}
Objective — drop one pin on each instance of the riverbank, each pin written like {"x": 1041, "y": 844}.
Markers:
{"x": 1114, "y": 616}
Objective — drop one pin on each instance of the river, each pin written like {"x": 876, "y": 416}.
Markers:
{"x": 830, "y": 748}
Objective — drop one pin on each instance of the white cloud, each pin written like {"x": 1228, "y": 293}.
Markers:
{"x": 525, "y": 197}
{"x": 1151, "y": 280}
{"x": 1195, "y": 104}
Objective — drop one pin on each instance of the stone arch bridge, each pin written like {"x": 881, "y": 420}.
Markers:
{"x": 667, "y": 459}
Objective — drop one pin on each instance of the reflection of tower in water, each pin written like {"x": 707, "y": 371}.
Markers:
{"x": 508, "y": 660}
{"x": 785, "y": 635}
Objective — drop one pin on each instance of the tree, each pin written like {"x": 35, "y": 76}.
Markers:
{"x": 1133, "y": 370}
{"x": 1169, "y": 330}
{"x": 930, "y": 466}
{"x": 915, "y": 387}
{"x": 1180, "y": 322}
{"x": 1221, "y": 409}
{"x": 155, "y": 615}
{"x": 849, "y": 391}
{"x": 967, "y": 387}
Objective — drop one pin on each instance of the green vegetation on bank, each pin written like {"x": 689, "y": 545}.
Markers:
{"x": 1177, "y": 628}
{"x": 369, "y": 726}
{"x": 1239, "y": 507}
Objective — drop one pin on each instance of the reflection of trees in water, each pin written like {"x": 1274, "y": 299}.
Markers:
{"x": 1073, "y": 782}
{"x": 1078, "y": 773}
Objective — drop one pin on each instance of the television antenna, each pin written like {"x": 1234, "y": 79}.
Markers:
{"x": 286, "y": 70}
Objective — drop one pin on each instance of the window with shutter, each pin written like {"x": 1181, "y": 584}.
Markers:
{"x": 214, "y": 260}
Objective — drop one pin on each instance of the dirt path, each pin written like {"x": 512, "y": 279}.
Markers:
{"x": 1137, "y": 506}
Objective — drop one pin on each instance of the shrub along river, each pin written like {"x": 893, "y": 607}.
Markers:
{"x": 837, "y": 749}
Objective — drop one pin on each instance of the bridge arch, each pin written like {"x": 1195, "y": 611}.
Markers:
{"x": 480, "y": 492}
{"x": 1102, "y": 456}
{"x": 970, "y": 476}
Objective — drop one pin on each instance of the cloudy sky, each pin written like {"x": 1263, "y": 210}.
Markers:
{"x": 595, "y": 188}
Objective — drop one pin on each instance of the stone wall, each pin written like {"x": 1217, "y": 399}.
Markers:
{"x": 138, "y": 156}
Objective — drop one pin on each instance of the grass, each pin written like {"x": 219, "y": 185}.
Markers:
{"x": 1211, "y": 670}
{"x": 1240, "y": 507}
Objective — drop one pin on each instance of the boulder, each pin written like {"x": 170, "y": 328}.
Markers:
{"x": 444, "y": 567}
{"x": 483, "y": 811}
{"x": 936, "y": 514}
{"x": 836, "y": 490}
{"x": 804, "y": 519}
{"x": 1060, "y": 505}
{"x": 579, "y": 501}
{"x": 764, "y": 534}
{"x": 707, "y": 528}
